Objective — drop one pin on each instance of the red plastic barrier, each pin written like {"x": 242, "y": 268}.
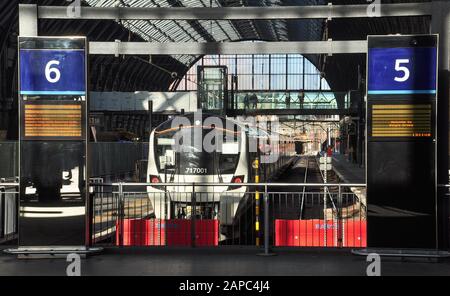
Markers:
{"x": 311, "y": 233}
{"x": 137, "y": 232}
{"x": 304, "y": 233}
{"x": 176, "y": 232}
{"x": 354, "y": 233}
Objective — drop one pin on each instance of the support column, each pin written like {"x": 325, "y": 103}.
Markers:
{"x": 441, "y": 25}
{"x": 340, "y": 99}
{"x": 28, "y": 20}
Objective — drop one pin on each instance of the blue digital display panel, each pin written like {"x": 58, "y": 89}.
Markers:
{"x": 52, "y": 72}
{"x": 402, "y": 71}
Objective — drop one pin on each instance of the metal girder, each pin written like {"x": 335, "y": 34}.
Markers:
{"x": 281, "y": 112}
{"x": 294, "y": 120}
{"x": 28, "y": 20}
{"x": 195, "y": 48}
{"x": 240, "y": 13}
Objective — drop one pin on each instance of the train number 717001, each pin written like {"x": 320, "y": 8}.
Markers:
{"x": 197, "y": 171}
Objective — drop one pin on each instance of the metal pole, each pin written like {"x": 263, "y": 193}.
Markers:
{"x": 257, "y": 203}
{"x": 230, "y": 105}
{"x": 150, "y": 117}
{"x": 91, "y": 216}
{"x": 122, "y": 214}
{"x": 17, "y": 209}
{"x": 3, "y": 211}
{"x": 266, "y": 221}
{"x": 194, "y": 201}
{"x": 339, "y": 223}
{"x": 325, "y": 200}
{"x": 267, "y": 250}
{"x": 165, "y": 188}
{"x": 328, "y": 136}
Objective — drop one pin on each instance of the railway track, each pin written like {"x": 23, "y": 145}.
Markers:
{"x": 296, "y": 202}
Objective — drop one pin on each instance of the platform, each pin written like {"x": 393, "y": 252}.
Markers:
{"x": 348, "y": 172}
{"x": 221, "y": 262}
{"x": 351, "y": 173}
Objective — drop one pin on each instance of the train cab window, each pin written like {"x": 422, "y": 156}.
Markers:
{"x": 190, "y": 158}
{"x": 229, "y": 157}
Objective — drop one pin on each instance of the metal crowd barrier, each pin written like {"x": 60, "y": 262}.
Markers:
{"x": 124, "y": 214}
{"x": 200, "y": 214}
{"x": 9, "y": 205}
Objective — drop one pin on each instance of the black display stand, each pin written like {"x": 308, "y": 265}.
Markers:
{"x": 401, "y": 144}
{"x": 54, "y": 218}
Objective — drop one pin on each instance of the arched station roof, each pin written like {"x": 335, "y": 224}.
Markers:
{"x": 109, "y": 73}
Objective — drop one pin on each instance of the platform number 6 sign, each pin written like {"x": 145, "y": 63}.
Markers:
{"x": 52, "y": 74}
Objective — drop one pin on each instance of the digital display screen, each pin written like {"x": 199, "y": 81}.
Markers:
{"x": 53, "y": 121}
{"x": 402, "y": 71}
{"x": 52, "y": 72}
{"x": 402, "y": 120}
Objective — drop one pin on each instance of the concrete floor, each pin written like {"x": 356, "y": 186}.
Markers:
{"x": 221, "y": 262}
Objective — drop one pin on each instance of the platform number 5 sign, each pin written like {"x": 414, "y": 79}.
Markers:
{"x": 400, "y": 66}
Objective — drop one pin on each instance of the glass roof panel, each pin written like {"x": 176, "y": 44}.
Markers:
{"x": 202, "y": 30}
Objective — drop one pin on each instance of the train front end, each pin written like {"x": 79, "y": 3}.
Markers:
{"x": 200, "y": 153}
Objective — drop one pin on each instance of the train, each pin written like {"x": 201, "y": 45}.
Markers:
{"x": 242, "y": 154}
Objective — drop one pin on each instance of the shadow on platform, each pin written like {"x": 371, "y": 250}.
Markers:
{"x": 222, "y": 262}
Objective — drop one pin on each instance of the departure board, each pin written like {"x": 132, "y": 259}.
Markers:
{"x": 402, "y": 120}
{"x": 61, "y": 121}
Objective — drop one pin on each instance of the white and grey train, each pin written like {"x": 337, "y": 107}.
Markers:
{"x": 231, "y": 162}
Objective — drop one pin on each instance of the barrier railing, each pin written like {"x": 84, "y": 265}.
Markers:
{"x": 219, "y": 214}
{"x": 9, "y": 205}
{"x": 123, "y": 214}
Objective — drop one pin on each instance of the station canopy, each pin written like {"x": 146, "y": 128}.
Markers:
{"x": 109, "y": 73}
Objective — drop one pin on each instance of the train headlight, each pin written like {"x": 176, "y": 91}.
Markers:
{"x": 155, "y": 179}
{"x": 236, "y": 180}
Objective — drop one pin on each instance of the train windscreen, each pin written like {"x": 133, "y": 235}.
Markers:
{"x": 191, "y": 158}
